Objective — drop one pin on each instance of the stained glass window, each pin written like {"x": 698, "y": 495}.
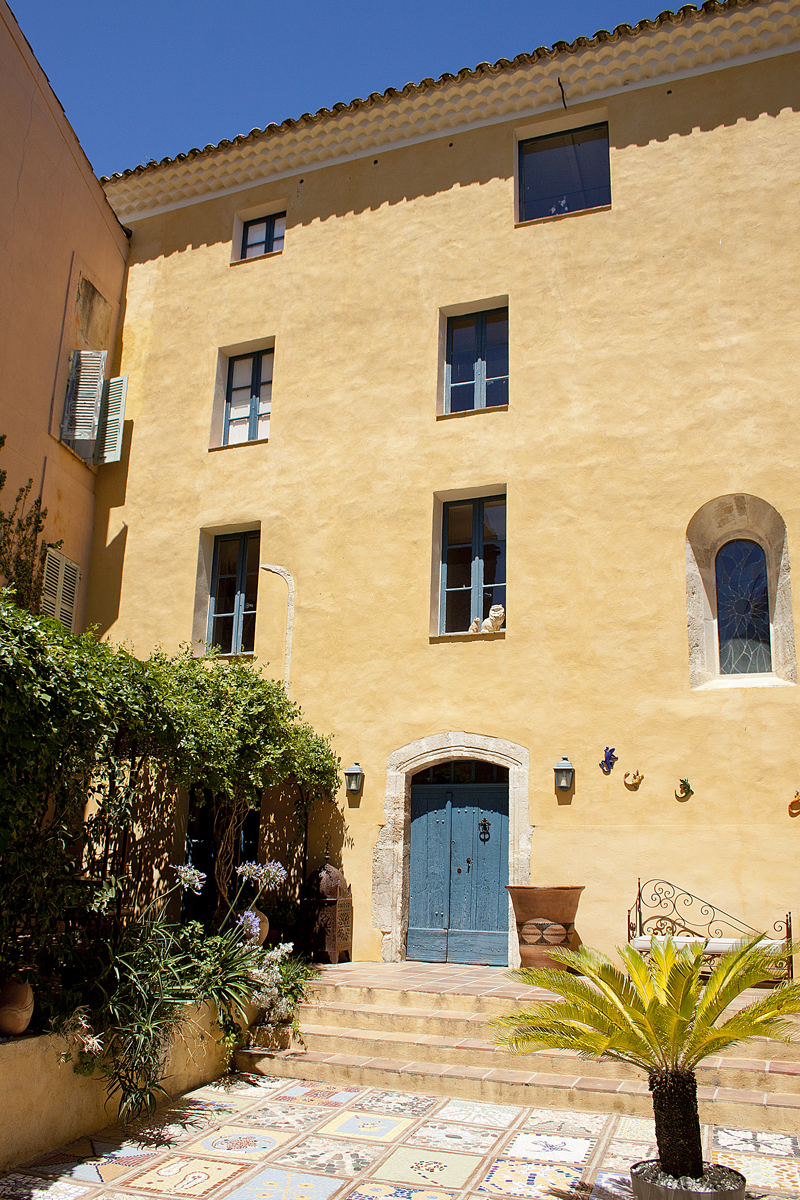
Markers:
{"x": 743, "y": 609}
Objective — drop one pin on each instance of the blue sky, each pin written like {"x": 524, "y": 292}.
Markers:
{"x": 141, "y": 79}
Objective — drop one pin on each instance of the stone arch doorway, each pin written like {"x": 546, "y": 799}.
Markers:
{"x": 391, "y": 858}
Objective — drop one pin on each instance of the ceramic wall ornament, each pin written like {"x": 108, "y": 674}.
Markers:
{"x": 632, "y": 781}
{"x": 794, "y": 806}
{"x": 684, "y": 791}
{"x": 609, "y": 758}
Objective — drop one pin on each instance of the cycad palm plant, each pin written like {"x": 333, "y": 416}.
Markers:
{"x": 659, "y": 1016}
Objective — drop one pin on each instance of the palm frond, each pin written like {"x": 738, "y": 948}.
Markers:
{"x": 746, "y": 965}
{"x": 765, "y": 1017}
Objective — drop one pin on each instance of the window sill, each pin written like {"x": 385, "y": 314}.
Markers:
{"x": 467, "y": 637}
{"x": 725, "y": 682}
{"x": 236, "y": 262}
{"x": 238, "y": 445}
{"x": 469, "y": 412}
{"x": 90, "y": 466}
{"x": 581, "y": 212}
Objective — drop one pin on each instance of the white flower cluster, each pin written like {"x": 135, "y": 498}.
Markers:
{"x": 266, "y": 875}
{"x": 278, "y": 1009}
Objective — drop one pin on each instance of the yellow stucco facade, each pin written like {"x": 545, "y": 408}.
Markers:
{"x": 652, "y": 371}
{"x": 63, "y": 265}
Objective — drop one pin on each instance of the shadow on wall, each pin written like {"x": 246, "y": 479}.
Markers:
{"x": 392, "y": 176}
{"x": 102, "y": 606}
{"x": 282, "y": 835}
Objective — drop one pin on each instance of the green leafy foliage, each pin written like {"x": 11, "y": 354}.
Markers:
{"x": 22, "y": 558}
{"x": 657, "y": 1015}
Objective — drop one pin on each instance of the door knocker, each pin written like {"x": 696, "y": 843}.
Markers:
{"x": 484, "y": 826}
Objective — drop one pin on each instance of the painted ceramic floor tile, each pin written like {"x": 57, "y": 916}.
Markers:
{"x": 333, "y": 1156}
{"x": 437, "y": 1167}
{"x": 752, "y": 1141}
{"x": 233, "y": 1098}
{"x": 612, "y": 1186}
{"x": 532, "y": 1181}
{"x": 445, "y": 1135}
{"x": 186, "y": 1176}
{"x": 551, "y": 1147}
{"x": 90, "y": 1161}
{"x": 778, "y": 1174}
{"x": 372, "y": 1190}
{"x": 620, "y": 1154}
{"x": 403, "y": 1103}
{"x": 315, "y": 1093}
{"x": 246, "y": 1083}
{"x": 283, "y": 1116}
{"x": 173, "y": 1126}
{"x": 17, "y": 1186}
{"x": 372, "y": 1127}
{"x": 495, "y": 1116}
{"x": 636, "y": 1129}
{"x": 554, "y": 1120}
{"x": 229, "y": 1142}
{"x": 285, "y": 1185}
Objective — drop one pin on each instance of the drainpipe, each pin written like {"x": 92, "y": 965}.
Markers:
{"x": 287, "y": 658}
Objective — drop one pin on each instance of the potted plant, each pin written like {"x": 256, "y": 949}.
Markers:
{"x": 660, "y": 1017}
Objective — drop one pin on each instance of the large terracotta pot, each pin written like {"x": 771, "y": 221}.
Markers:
{"x": 545, "y": 917}
{"x": 16, "y": 1007}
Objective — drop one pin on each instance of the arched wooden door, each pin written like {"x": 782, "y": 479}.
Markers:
{"x": 458, "y": 905}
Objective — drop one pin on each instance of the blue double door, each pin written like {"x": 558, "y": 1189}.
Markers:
{"x": 458, "y": 905}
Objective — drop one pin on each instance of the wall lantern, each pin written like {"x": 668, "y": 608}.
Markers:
{"x": 564, "y": 773}
{"x": 353, "y": 778}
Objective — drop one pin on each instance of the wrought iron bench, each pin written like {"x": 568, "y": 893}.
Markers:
{"x": 662, "y": 908}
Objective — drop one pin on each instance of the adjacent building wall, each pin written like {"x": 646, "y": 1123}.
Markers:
{"x": 62, "y": 263}
{"x": 653, "y": 368}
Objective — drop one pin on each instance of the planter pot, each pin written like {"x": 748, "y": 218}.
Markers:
{"x": 16, "y": 1007}
{"x": 263, "y": 926}
{"x": 731, "y": 1184}
{"x": 545, "y": 917}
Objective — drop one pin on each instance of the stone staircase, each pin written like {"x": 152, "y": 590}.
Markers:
{"x": 438, "y": 1042}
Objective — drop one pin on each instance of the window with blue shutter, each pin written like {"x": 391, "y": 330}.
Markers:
{"x": 94, "y": 408}
{"x": 234, "y": 589}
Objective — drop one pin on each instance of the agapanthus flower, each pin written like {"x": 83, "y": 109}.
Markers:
{"x": 249, "y": 923}
{"x": 266, "y": 875}
{"x": 190, "y": 879}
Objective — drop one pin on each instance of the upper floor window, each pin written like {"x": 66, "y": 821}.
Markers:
{"x": 564, "y": 173}
{"x": 476, "y": 373}
{"x": 743, "y": 609}
{"x": 94, "y": 408}
{"x": 234, "y": 588}
{"x": 473, "y": 564}
{"x": 248, "y": 400}
{"x": 264, "y": 235}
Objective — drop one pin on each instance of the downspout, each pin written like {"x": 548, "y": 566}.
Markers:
{"x": 287, "y": 658}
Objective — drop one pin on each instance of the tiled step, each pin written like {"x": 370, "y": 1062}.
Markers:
{"x": 460, "y": 1000}
{"x": 728, "y": 1106}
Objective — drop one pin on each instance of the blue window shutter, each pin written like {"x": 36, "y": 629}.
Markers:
{"x": 108, "y": 447}
{"x": 84, "y": 393}
{"x": 60, "y": 590}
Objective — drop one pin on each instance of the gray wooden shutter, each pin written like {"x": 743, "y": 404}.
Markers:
{"x": 108, "y": 447}
{"x": 60, "y": 590}
{"x": 84, "y": 392}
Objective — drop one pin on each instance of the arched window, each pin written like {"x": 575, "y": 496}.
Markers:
{"x": 739, "y": 596}
{"x": 742, "y": 609}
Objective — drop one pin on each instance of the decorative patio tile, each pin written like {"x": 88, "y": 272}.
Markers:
{"x": 229, "y": 1142}
{"x": 283, "y": 1116}
{"x": 234, "y": 1098}
{"x": 174, "y": 1125}
{"x": 314, "y": 1093}
{"x": 753, "y": 1141}
{"x": 532, "y": 1181}
{"x": 494, "y": 1116}
{"x": 186, "y": 1176}
{"x": 620, "y": 1155}
{"x": 611, "y": 1186}
{"x": 372, "y": 1190}
{"x": 373, "y": 1127}
{"x": 17, "y": 1186}
{"x": 555, "y": 1120}
{"x": 404, "y": 1103}
{"x": 551, "y": 1147}
{"x": 90, "y": 1161}
{"x": 333, "y": 1156}
{"x": 636, "y": 1129}
{"x": 777, "y": 1174}
{"x": 246, "y": 1084}
{"x": 438, "y": 1167}
{"x": 446, "y": 1135}
{"x": 285, "y": 1185}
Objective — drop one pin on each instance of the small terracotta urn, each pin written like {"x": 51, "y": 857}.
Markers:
{"x": 545, "y": 918}
{"x": 16, "y": 1007}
